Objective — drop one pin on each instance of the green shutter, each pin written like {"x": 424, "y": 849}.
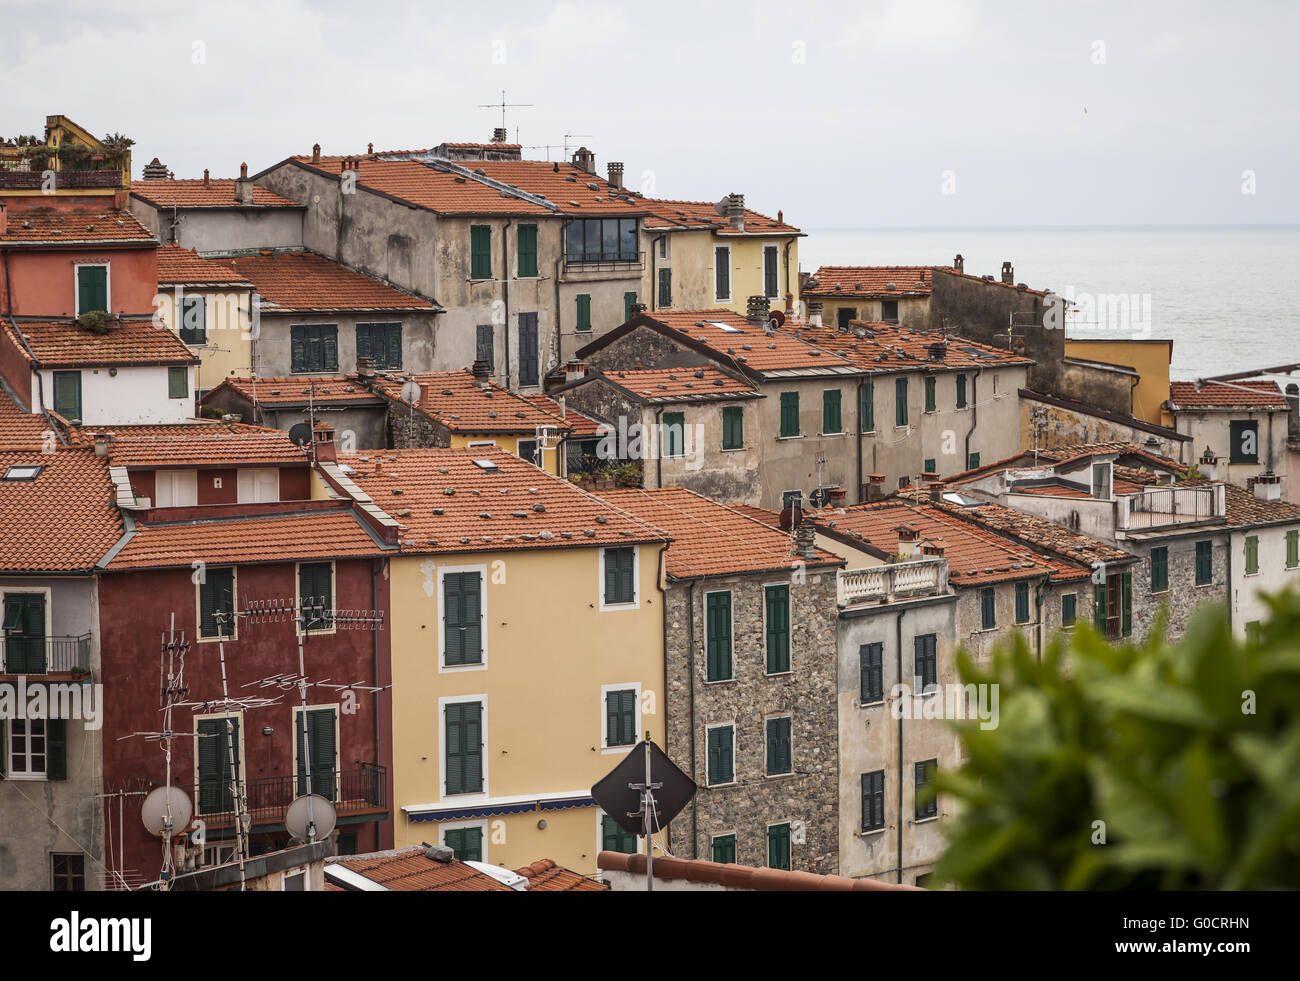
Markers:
{"x": 718, "y": 636}
{"x": 620, "y": 582}
{"x": 480, "y": 247}
{"x": 778, "y": 746}
{"x": 56, "y": 749}
{"x": 1204, "y": 563}
{"x": 721, "y": 767}
{"x": 178, "y": 382}
{"x": 615, "y": 839}
{"x": 1292, "y": 549}
{"x": 216, "y": 595}
{"x": 620, "y": 717}
{"x": 321, "y": 750}
{"x": 214, "y": 758}
{"x": 961, "y": 391}
{"x": 867, "y": 410}
{"x": 778, "y": 628}
{"x": 988, "y": 611}
{"x": 4, "y": 757}
{"x": 466, "y": 843}
{"x": 789, "y": 413}
{"x": 629, "y": 301}
{"x": 1022, "y": 602}
{"x": 92, "y": 289}
{"x": 1128, "y": 603}
{"x": 24, "y": 625}
{"x": 464, "y": 747}
{"x": 1099, "y": 606}
{"x": 778, "y": 846}
{"x": 724, "y": 849}
{"x": 831, "y": 412}
{"x": 527, "y": 251}
{"x": 1068, "y": 602}
{"x": 972, "y": 461}
{"x": 1252, "y": 555}
{"x": 67, "y": 394}
{"x": 462, "y": 618}
{"x": 733, "y": 427}
{"x": 665, "y": 287}
{"x": 722, "y": 271}
{"x": 1160, "y": 569}
{"x": 673, "y": 434}
{"x": 900, "y": 401}
{"x": 929, "y": 394}
{"x": 584, "y": 311}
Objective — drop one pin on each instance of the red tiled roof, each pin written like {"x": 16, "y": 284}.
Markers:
{"x": 132, "y": 343}
{"x": 216, "y": 192}
{"x": 1226, "y": 395}
{"x": 743, "y": 876}
{"x": 1040, "y": 533}
{"x": 305, "y": 281}
{"x": 453, "y": 399}
{"x": 862, "y": 281}
{"x": 446, "y": 503}
{"x": 411, "y": 870}
{"x": 768, "y": 517}
{"x": 1244, "y": 508}
{"x": 20, "y": 430}
{"x": 545, "y": 876}
{"x": 48, "y": 226}
{"x": 294, "y": 391}
{"x": 666, "y": 214}
{"x": 191, "y": 429}
{"x": 185, "y": 267}
{"x": 586, "y": 193}
{"x": 579, "y": 424}
{"x": 682, "y": 384}
{"x": 62, "y": 521}
{"x": 295, "y": 537}
{"x": 711, "y": 539}
{"x": 205, "y": 446}
{"x": 888, "y": 348}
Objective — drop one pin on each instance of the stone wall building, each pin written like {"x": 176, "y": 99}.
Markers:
{"x": 1243, "y": 424}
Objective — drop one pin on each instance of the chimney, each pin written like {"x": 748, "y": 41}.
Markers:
{"x": 874, "y": 488}
{"x": 243, "y": 186}
{"x": 1008, "y": 273}
{"x": 933, "y": 550}
{"x": 935, "y": 487}
{"x": 1293, "y": 413}
{"x": 205, "y": 176}
{"x": 315, "y": 153}
{"x": 4, "y": 218}
{"x": 482, "y": 374}
{"x": 498, "y": 134}
{"x": 155, "y": 170}
{"x": 584, "y": 160}
{"x": 574, "y": 370}
{"x": 365, "y": 368}
{"x": 959, "y": 263}
{"x": 780, "y": 217}
{"x": 322, "y": 441}
{"x": 805, "y": 537}
{"x": 756, "y": 310}
{"x": 938, "y": 350}
{"x": 736, "y": 211}
{"x": 102, "y": 442}
{"x": 814, "y": 313}
{"x": 1209, "y": 464}
{"x": 909, "y": 540}
{"x": 120, "y": 200}
{"x": 615, "y": 169}
{"x": 1268, "y": 487}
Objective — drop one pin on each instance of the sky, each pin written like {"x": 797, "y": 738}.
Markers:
{"x": 894, "y": 113}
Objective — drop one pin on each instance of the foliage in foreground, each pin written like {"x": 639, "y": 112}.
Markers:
{"x": 1189, "y": 755}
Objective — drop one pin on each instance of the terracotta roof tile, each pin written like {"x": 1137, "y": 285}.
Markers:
{"x": 48, "y": 226}
{"x": 579, "y": 424}
{"x": 410, "y": 870}
{"x": 129, "y": 342}
{"x": 216, "y": 192}
{"x": 711, "y": 539}
{"x": 305, "y": 281}
{"x": 453, "y": 399}
{"x": 1226, "y": 395}
{"x": 62, "y": 521}
{"x": 21, "y": 430}
{"x": 545, "y": 876}
{"x": 868, "y": 281}
{"x": 585, "y": 194}
{"x": 887, "y": 348}
{"x": 1244, "y": 508}
{"x": 204, "y": 446}
{"x": 743, "y": 877}
{"x": 296, "y": 391}
{"x": 682, "y": 384}
{"x": 185, "y": 267}
{"x": 666, "y": 214}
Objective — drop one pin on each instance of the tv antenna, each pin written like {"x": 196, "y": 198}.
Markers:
{"x": 503, "y": 106}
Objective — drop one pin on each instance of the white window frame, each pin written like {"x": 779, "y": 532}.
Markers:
{"x": 9, "y": 750}
{"x": 734, "y": 761}
{"x": 731, "y": 632}
{"x": 481, "y": 823}
{"x": 296, "y": 715}
{"x": 789, "y": 619}
{"x": 443, "y": 702}
{"x": 172, "y": 475}
{"x": 198, "y": 606}
{"x": 250, "y": 474}
{"x": 334, "y": 586}
{"x": 299, "y": 871}
{"x": 443, "y": 667}
{"x": 725, "y": 834}
{"x": 636, "y": 580}
{"x": 475, "y": 443}
{"x": 76, "y": 283}
{"x": 243, "y": 763}
{"x": 601, "y": 814}
{"x": 731, "y": 286}
{"x": 45, "y": 591}
{"x": 605, "y": 747}
{"x": 776, "y": 249}
{"x": 766, "y": 719}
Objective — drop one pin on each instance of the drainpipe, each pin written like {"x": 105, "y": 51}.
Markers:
{"x": 785, "y": 262}
{"x": 505, "y": 296}
{"x": 1228, "y": 566}
{"x": 690, "y": 663}
{"x": 559, "y": 344}
{"x": 898, "y": 667}
{"x": 659, "y": 456}
{"x": 654, "y": 267}
{"x": 1043, "y": 585}
{"x": 861, "y": 383}
{"x": 974, "y": 413}
{"x": 374, "y": 638}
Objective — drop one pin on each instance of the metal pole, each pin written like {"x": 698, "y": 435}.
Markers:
{"x": 645, "y": 810}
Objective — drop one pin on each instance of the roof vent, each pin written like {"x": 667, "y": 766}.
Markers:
{"x": 487, "y": 466}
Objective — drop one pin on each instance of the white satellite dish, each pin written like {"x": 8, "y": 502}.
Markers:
{"x": 310, "y": 818}
{"x": 411, "y": 392}
{"x": 167, "y": 811}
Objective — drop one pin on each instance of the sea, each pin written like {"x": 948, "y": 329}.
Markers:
{"x": 1227, "y": 295}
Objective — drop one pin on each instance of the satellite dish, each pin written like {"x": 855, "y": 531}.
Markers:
{"x": 167, "y": 811}
{"x": 310, "y": 818}
{"x": 622, "y": 803}
{"x": 411, "y": 392}
{"x": 300, "y": 433}
{"x": 777, "y": 317}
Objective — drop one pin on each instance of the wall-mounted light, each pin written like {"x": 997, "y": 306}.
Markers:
{"x": 541, "y": 825}
{"x": 267, "y": 730}
{"x": 112, "y": 372}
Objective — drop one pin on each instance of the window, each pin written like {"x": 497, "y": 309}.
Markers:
{"x": 889, "y": 311}
{"x": 316, "y": 594}
{"x": 927, "y": 805}
{"x": 1069, "y": 606}
{"x": 972, "y": 461}
{"x": 629, "y": 306}
{"x": 194, "y": 324}
{"x": 871, "y": 673}
{"x": 724, "y": 849}
{"x": 1253, "y": 629}
{"x": 34, "y": 749}
{"x": 321, "y": 725}
{"x": 771, "y": 282}
{"x": 778, "y": 846}
{"x": 178, "y": 382}
{"x": 873, "y": 800}
{"x": 722, "y": 273}
{"x": 777, "y": 605}
{"x": 584, "y": 312}
{"x": 463, "y": 742}
{"x": 295, "y": 881}
{"x": 929, "y": 465}
{"x": 67, "y": 394}
{"x": 600, "y": 240}
{"x": 778, "y": 747}
{"x": 961, "y": 391}
{"x": 620, "y": 717}
{"x": 483, "y": 345}
{"x": 68, "y": 873}
{"x": 717, "y": 632}
{"x": 789, "y": 413}
{"x": 528, "y": 349}
{"x": 23, "y": 472}
{"x": 382, "y": 342}
{"x": 831, "y": 412}
{"x": 900, "y": 401}
{"x": 615, "y": 839}
{"x": 930, "y": 394}
{"x": 673, "y": 434}
{"x": 92, "y": 289}
{"x": 620, "y": 576}
{"x": 527, "y": 450}
{"x": 218, "y": 753}
{"x": 480, "y": 252}
{"x": 1243, "y": 446}
{"x": 988, "y": 611}
{"x": 175, "y": 488}
{"x": 867, "y": 410}
{"x": 844, "y": 315}
{"x": 1204, "y": 563}
{"x": 1022, "y": 602}
{"x": 24, "y": 630}
{"x": 257, "y": 485}
{"x": 733, "y": 427}
{"x": 1252, "y": 554}
{"x": 925, "y": 669}
{"x": 665, "y": 287}
{"x": 462, "y": 618}
{"x": 217, "y": 602}
{"x": 1160, "y": 569}
{"x": 527, "y": 251}
{"x": 466, "y": 843}
{"x": 1292, "y": 549}
{"x": 314, "y": 347}
{"x": 721, "y": 744}
{"x": 1114, "y": 605}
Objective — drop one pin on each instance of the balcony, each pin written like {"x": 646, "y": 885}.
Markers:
{"x": 358, "y": 795}
{"x": 1165, "y": 507}
{"x": 44, "y": 655}
{"x": 19, "y": 175}
{"x": 896, "y": 581}
{"x": 620, "y": 263}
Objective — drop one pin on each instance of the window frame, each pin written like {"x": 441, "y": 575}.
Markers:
{"x": 789, "y": 401}
{"x": 200, "y": 637}
{"x": 521, "y": 252}
{"x": 482, "y": 663}
{"x": 326, "y": 365}
{"x": 108, "y": 284}
{"x": 7, "y": 764}
{"x": 635, "y": 604}
{"x": 181, "y": 372}
{"x": 832, "y": 396}
{"x": 485, "y": 757}
{"x": 931, "y": 394}
{"x": 789, "y": 844}
{"x": 601, "y": 817}
{"x": 713, "y": 847}
{"x": 606, "y": 747}
{"x": 55, "y": 875}
{"x": 731, "y": 637}
{"x": 789, "y": 631}
{"x": 480, "y": 253}
{"x": 901, "y": 409}
{"x": 393, "y": 328}
{"x": 582, "y": 313}
{"x": 1073, "y": 608}
{"x": 665, "y": 428}
{"x": 305, "y": 629}
{"x": 1251, "y": 555}
{"x": 788, "y": 719}
{"x": 988, "y": 608}
{"x": 718, "y": 270}
{"x": 775, "y": 251}
{"x": 864, "y": 664}
{"x": 54, "y": 383}
{"x": 708, "y": 773}
{"x": 735, "y": 413}
{"x": 931, "y": 810}
{"x": 481, "y": 825}
{"x": 241, "y": 762}
{"x": 1208, "y": 551}
{"x": 925, "y": 663}
{"x": 336, "y": 710}
{"x": 198, "y": 336}
{"x": 878, "y": 796}
{"x": 1163, "y": 565}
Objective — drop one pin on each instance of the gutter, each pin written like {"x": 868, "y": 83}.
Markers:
{"x": 861, "y": 434}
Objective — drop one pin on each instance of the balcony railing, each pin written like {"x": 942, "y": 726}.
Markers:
{"x": 20, "y": 178}
{"x": 1161, "y": 507}
{"x": 628, "y": 262}
{"x": 902, "y": 580}
{"x": 44, "y": 655}
{"x": 357, "y": 794}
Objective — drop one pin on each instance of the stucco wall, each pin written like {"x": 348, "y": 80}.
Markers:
{"x": 421, "y": 341}
{"x": 228, "y": 349}
{"x": 1273, "y": 575}
{"x": 45, "y": 281}
{"x": 1213, "y": 429}
{"x": 133, "y": 395}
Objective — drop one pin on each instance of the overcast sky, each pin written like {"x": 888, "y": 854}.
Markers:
{"x": 907, "y": 113}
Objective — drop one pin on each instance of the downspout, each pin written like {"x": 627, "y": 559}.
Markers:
{"x": 374, "y": 638}
{"x": 861, "y": 434}
{"x": 785, "y": 262}
{"x": 659, "y": 456}
{"x": 505, "y": 294}
{"x": 690, "y": 663}
{"x": 654, "y": 267}
{"x": 1043, "y": 585}
{"x": 559, "y": 343}
{"x": 1228, "y": 566}
{"x": 898, "y": 667}
{"x": 974, "y": 413}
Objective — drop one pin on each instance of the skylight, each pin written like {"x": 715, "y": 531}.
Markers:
{"x": 725, "y": 328}
{"x": 23, "y": 472}
{"x": 487, "y": 465}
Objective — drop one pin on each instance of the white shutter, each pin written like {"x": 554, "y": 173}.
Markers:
{"x": 259, "y": 485}
{"x": 176, "y": 488}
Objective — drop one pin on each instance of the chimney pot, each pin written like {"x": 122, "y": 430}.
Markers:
{"x": 205, "y": 176}
{"x": 959, "y": 263}
{"x": 482, "y": 374}
{"x": 315, "y": 153}
{"x": 243, "y": 170}
{"x": 499, "y": 134}
{"x": 1008, "y": 273}
{"x": 370, "y": 148}
{"x": 615, "y": 169}
{"x": 805, "y": 536}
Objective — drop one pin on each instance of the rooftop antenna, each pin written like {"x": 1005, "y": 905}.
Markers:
{"x": 573, "y": 136}
{"x": 503, "y": 106}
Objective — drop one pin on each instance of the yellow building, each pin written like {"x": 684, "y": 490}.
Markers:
{"x": 527, "y": 651}
{"x": 83, "y": 164}
{"x": 209, "y": 305}
{"x": 701, "y": 255}
{"x": 1149, "y": 358}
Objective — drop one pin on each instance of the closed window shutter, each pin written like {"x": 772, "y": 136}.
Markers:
{"x": 718, "y": 630}
{"x": 900, "y": 401}
{"x": 462, "y": 624}
{"x": 867, "y": 411}
{"x": 67, "y": 394}
{"x": 724, "y": 849}
{"x": 961, "y": 391}
{"x": 4, "y": 754}
{"x": 629, "y": 301}
{"x": 733, "y": 428}
{"x": 665, "y": 287}
{"x": 620, "y": 723}
{"x": 929, "y": 395}
{"x": 464, "y": 747}
{"x": 626, "y": 586}
{"x": 778, "y": 846}
{"x": 789, "y": 413}
{"x": 1099, "y": 606}
{"x": 987, "y": 610}
{"x": 1292, "y": 549}
{"x": 528, "y": 349}
{"x": 298, "y": 349}
{"x": 1128, "y": 603}
{"x": 527, "y": 250}
{"x": 214, "y": 756}
{"x": 315, "y": 594}
{"x": 330, "y": 348}
{"x": 778, "y": 746}
{"x": 778, "y": 629}
{"x": 216, "y": 595}
{"x": 673, "y": 434}
{"x": 831, "y": 412}
{"x": 56, "y": 749}
{"x": 770, "y": 285}
{"x": 321, "y": 750}
{"x": 92, "y": 289}
{"x": 480, "y": 252}
{"x": 363, "y": 341}
{"x": 584, "y": 311}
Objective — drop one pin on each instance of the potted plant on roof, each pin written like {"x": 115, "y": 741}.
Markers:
{"x": 98, "y": 322}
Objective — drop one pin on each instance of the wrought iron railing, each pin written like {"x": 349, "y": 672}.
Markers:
{"x": 44, "y": 655}
{"x": 356, "y": 792}
{"x": 1158, "y": 507}
{"x": 603, "y": 261}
